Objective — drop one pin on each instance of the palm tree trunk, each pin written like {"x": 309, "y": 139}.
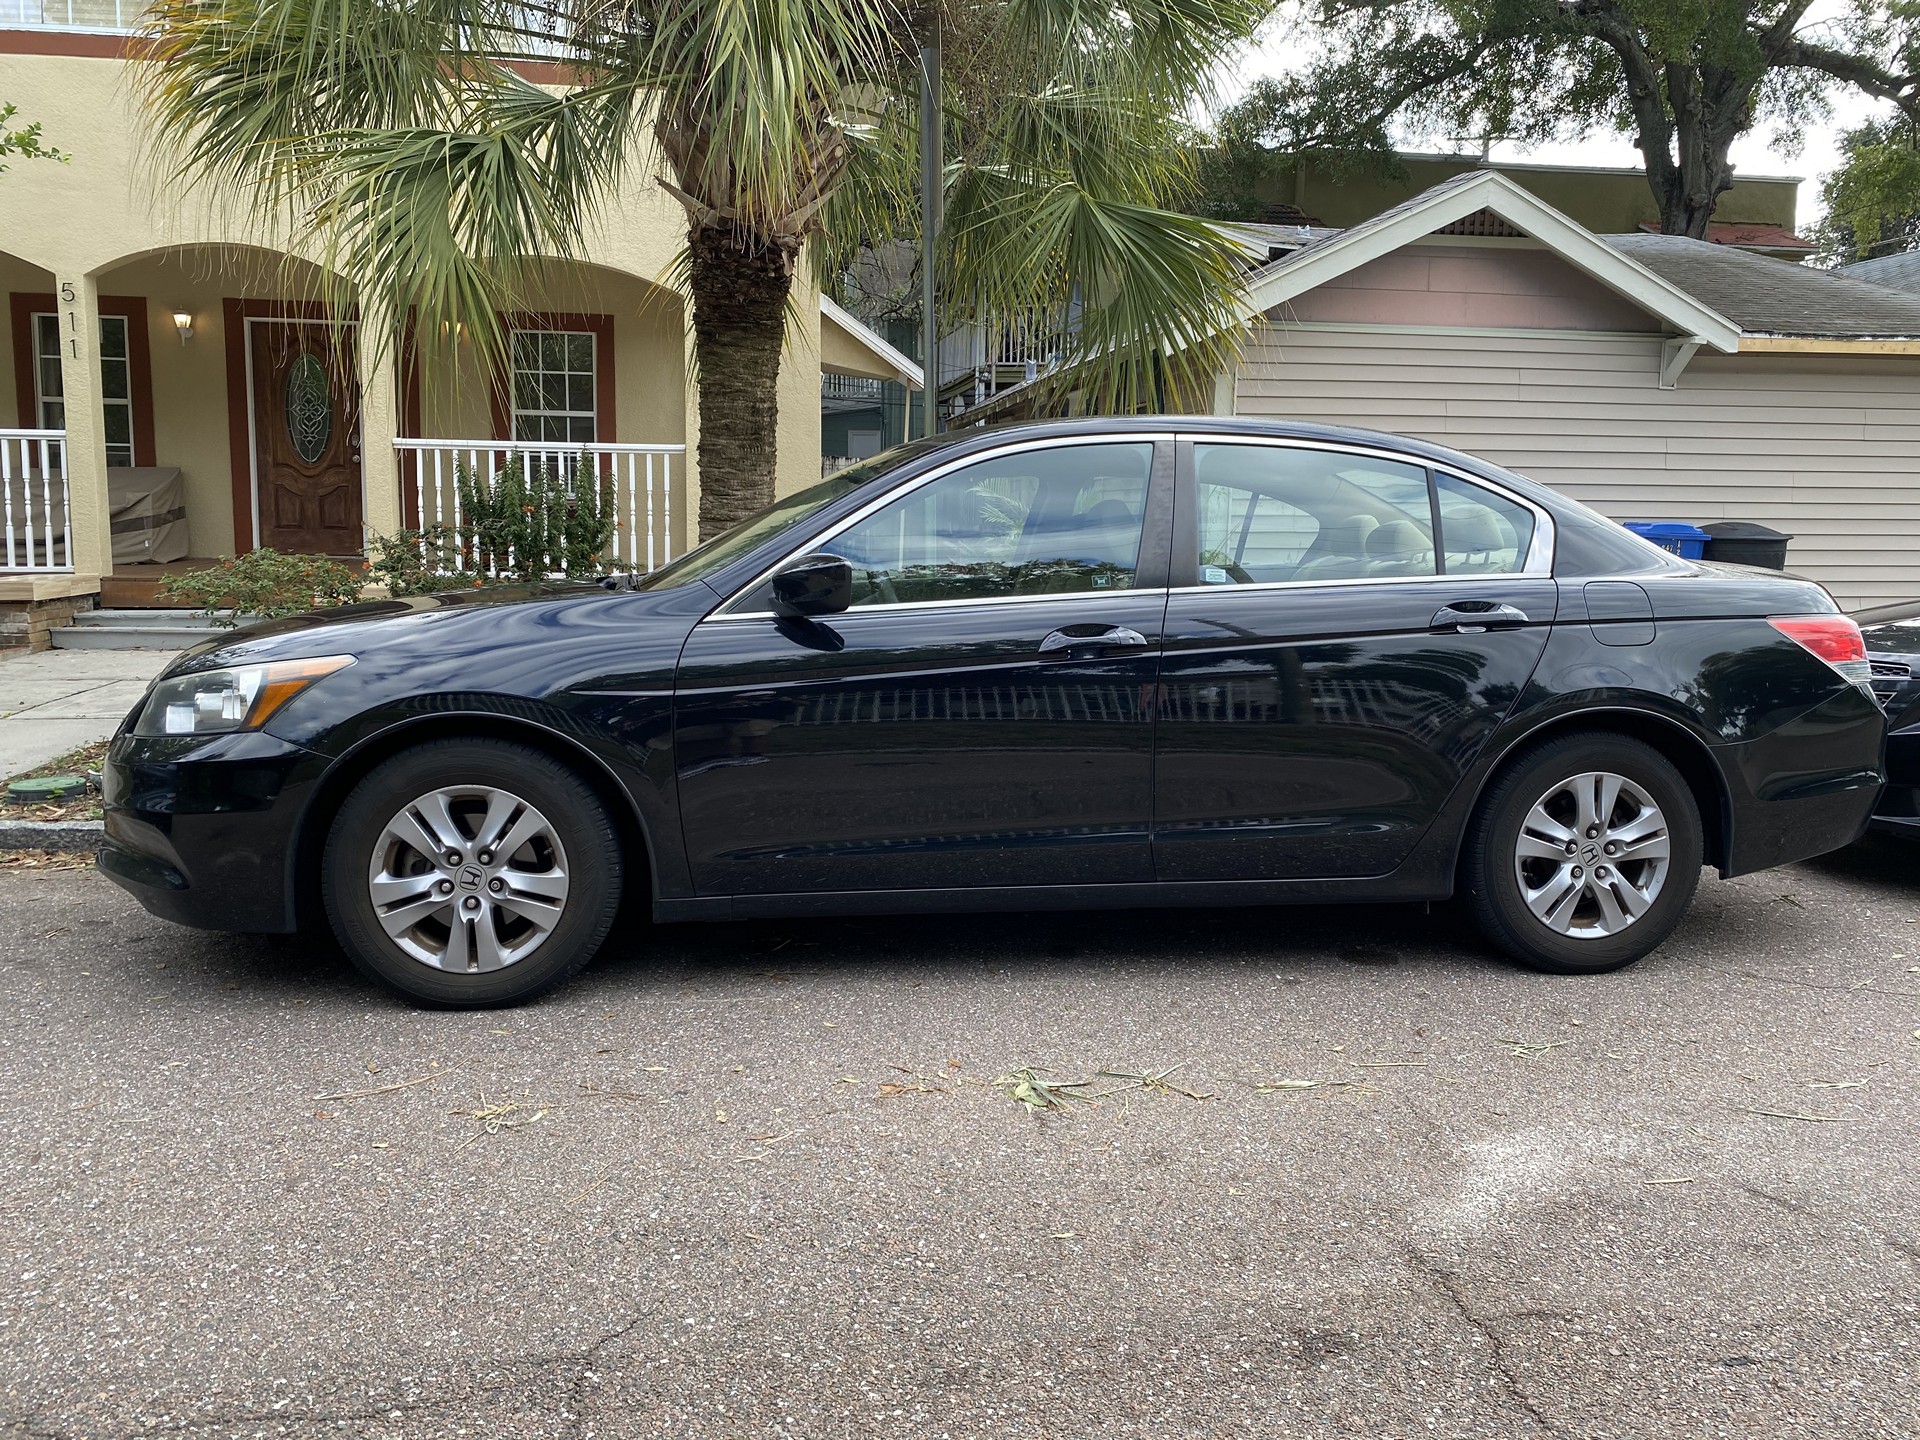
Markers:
{"x": 740, "y": 288}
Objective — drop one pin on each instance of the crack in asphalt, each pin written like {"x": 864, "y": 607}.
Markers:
{"x": 1444, "y": 1281}
{"x": 528, "y": 1370}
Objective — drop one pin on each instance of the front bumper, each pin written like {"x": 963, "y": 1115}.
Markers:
{"x": 1897, "y": 812}
{"x": 203, "y": 830}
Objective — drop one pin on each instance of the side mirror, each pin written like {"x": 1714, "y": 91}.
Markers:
{"x": 813, "y": 585}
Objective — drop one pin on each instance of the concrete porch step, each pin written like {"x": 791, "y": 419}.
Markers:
{"x": 132, "y": 630}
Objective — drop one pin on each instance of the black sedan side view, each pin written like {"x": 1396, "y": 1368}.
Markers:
{"x": 1141, "y": 662}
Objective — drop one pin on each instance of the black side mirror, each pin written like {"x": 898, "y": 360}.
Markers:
{"x": 812, "y": 585}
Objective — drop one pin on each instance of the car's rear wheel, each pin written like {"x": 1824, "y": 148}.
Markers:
{"x": 471, "y": 873}
{"x": 1584, "y": 854}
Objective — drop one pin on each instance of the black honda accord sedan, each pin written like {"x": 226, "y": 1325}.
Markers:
{"x": 1083, "y": 664}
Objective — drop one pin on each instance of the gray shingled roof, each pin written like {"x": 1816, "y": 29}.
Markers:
{"x": 1897, "y": 272}
{"x": 1764, "y": 296}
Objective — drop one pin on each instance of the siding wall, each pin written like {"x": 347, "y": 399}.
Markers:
{"x": 1825, "y": 448}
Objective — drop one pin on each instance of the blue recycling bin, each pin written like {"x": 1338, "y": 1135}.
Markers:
{"x": 1689, "y": 542}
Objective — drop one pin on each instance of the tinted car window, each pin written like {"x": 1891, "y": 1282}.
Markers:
{"x": 730, "y": 544}
{"x": 1035, "y": 522}
{"x": 1482, "y": 533}
{"x": 1270, "y": 512}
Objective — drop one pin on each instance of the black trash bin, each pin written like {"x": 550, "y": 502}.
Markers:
{"x": 1741, "y": 542}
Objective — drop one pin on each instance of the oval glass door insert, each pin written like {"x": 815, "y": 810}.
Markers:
{"x": 309, "y": 404}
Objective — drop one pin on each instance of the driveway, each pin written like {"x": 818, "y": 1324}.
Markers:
{"x": 759, "y": 1181}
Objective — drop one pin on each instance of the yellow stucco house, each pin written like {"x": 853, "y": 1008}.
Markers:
{"x": 178, "y": 389}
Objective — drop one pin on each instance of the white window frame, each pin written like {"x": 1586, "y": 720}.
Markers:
{"x": 539, "y": 414}
{"x": 51, "y": 409}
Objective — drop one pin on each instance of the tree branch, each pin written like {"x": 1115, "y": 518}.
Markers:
{"x": 1855, "y": 70}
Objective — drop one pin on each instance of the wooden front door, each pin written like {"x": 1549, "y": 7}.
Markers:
{"x": 306, "y": 437}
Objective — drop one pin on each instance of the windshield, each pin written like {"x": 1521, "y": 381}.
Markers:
{"x": 729, "y": 545}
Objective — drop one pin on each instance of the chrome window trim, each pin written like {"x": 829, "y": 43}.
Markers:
{"x": 1537, "y": 565}
{"x": 1014, "y": 447}
{"x": 1055, "y": 596}
{"x": 1230, "y": 589}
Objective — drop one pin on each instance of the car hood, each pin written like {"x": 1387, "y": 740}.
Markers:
{"x": 1893, "y": 638}
{"x": 451, "y": 620}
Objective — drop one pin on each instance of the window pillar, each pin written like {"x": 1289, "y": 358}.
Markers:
{"x": 90, "y": 534}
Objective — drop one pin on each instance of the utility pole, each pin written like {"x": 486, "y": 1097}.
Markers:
{"x": 932, "y": 178}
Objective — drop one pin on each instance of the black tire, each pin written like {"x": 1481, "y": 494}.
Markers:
{"x": 1492, "y": 866}
{"x": 578, "y": 843}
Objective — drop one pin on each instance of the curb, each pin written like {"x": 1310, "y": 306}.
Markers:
{"x": 73, "y": 836}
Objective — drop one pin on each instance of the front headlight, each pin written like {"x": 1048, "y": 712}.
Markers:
{"x": 217, "y": 702}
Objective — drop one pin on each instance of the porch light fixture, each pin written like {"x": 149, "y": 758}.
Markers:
{"x": 183, "y": 322}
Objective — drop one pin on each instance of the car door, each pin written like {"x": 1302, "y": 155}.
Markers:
{"x": 1346, "y": 628}
{"x": 981, "y": 715}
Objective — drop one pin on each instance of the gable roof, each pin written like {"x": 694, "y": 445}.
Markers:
{"x": 1776, "y": 297}
{"x": 1899, "y": 272}
{"x": 884, "y": 361}
{"x": 1454, "y": 200}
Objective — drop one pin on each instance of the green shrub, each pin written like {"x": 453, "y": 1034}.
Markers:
{"x": 422, "y": 562}
{"x": 264, "y": 584}
{"x": 533, "y": 527}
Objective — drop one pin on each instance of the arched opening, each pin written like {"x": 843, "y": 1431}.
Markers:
{"x": 246, "y": 420}
{"x": 593, "y": 385}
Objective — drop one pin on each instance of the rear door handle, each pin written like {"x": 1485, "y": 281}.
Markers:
{"x": 1114, "y": 637}
{"x": 1475, "y": 620}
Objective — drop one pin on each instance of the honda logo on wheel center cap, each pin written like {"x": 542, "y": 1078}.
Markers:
{"x": 472, "y": 877}
{"x": 1589, "y": 853}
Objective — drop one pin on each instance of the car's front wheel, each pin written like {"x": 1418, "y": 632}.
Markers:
{"x": 471, "y": 873}
{"x": 1584, "y": 854}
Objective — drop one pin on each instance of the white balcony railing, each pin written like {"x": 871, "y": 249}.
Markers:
{"x": 33, "y": 500}
{"x": 643, "y": 480}
{"x": 99, "y": 16}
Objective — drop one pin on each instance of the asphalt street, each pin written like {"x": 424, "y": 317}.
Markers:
{"x": 764, "y": 1181}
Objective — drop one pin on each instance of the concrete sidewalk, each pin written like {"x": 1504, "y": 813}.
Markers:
{"x": 58, "y": 700}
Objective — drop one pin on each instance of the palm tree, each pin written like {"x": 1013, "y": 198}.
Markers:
{"x": 401, "y": 134}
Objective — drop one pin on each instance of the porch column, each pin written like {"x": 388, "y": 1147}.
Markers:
{"x": 376, "y": 355}
{"x": 686, "y": 523}
{"x": 90, "y": 532}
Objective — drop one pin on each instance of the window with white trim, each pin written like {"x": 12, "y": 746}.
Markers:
{"x": 116, "y": 382}
{"x": 554, "y": 385}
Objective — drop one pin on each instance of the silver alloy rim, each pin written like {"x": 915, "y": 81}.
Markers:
{"x": 1592, "y": 856}
{"x": 468, "y": 879}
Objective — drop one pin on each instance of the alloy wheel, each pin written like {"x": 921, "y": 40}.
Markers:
{"x": 468, "y": 879}
{"x": 1593, "y": 855}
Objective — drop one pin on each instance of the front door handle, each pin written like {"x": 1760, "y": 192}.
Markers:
{"x": 1113, "y": 637}
{"x": 1471, "y": 617}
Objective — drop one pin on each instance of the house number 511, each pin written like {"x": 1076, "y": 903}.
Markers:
{"x": 68, "y": 297}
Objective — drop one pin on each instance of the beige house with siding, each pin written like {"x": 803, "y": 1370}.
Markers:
{"x": 170, "y": 360}
{"x": 1651, "y": 377}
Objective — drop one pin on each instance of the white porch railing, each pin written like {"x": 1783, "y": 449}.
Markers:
{"x": 643, "y": 479}
{"x": 33, "y": 500}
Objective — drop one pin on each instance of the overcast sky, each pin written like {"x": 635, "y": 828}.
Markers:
{"x": 1758, "y": 153}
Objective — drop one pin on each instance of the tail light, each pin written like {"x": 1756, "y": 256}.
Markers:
{"x": 1834, "y": 638}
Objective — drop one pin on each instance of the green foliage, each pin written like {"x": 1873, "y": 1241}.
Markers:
{"x": 421, "y": 157}
{"x": 25, "y": 141}
{"x": 534, "y": 526}
{"x": 264, "y": 584}
{"x": 1683, "y": 78}
{"x": 513, "y": 526}
{"x": 1870, "y": 205}
{"x": 421, "y": 562}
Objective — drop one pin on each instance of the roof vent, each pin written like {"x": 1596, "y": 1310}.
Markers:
{"x": 1482, "y": 222}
